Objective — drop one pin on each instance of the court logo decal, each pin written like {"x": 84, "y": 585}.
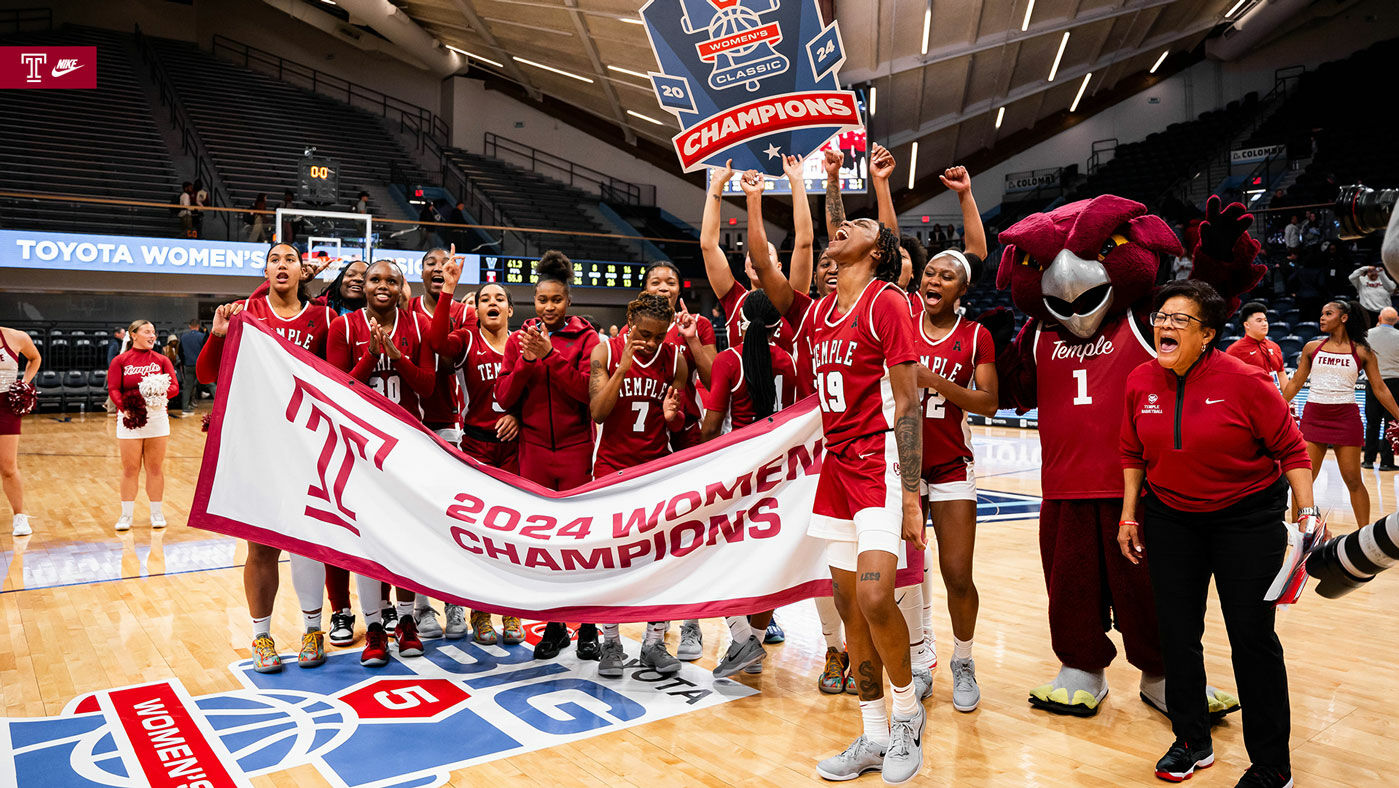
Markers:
{"x": 407, "y": 725}
{"x": 750, "y": 80}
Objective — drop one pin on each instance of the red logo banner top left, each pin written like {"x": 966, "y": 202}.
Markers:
{"x": 48, "y": 67}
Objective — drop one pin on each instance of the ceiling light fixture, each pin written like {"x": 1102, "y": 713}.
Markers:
{"x": 628, "y": 72}
{"x": 474, "y": 56}
{"x": 1235, "y": 9}
{"x": 912, "y": 164}
{"x": 927, "y": 24}
{"x": 1159, "y": 61}
{"x": 630, "y": 21}
{"x": 558, "y": 71}
{"x": 1063, "y": 43}
{"x": 1074, "y": 106}
{"x": 1000, "y": 116}
{"x": 874, "y": 96}
{"x": 644, "y": 117}
{"x": 1029, "y": 9}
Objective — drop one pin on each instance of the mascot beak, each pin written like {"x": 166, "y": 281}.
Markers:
{"x": 1077, "y": 292}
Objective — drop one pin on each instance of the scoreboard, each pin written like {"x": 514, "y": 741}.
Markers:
{"x": 854, "y": 174}
{"x": 318, "y": 179}
{"x": 586, "y": 273}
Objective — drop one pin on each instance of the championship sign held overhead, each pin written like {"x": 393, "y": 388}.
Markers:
{"x": 749, "y": 80}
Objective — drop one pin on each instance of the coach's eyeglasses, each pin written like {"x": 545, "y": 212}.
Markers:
{"x": 1178, "y": 320}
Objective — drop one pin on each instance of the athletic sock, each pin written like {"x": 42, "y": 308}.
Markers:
{"x": 311, "y": 620}
{"x": 830, "y": 622}
{"x": 739, "y": 628}
{"x": 929, "y": 638}
{"x": 404, "y": 609}
{"x": 905, "y": 702}
{"x": 611, "y": 631}
{"x": 157, "y": 510}
{"x": 370, "y": 603}
{"x": 961, "y": 649}
{"x": 421, "y": 603}
{"x": 262, "y": 626}
{"x": 308, "y": 580}
{"x": 655, "y": 631}
{"x": 876, "y": 723}
{"x": 128, "y": 508}
{"x": 910, "y": 602}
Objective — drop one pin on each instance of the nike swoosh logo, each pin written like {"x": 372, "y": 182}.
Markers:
{"x": 1213, "y": 401}
{"x": 61, "y": 72}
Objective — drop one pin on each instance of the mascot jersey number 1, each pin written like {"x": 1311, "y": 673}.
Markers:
{"x": 1085, "y": 273}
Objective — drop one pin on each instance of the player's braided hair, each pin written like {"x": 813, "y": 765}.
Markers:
{"x": 917, "y": 256}
{"x": 760, "y": 321}
{"x": 888, "y": 260}
{"x": 650, "y": 305}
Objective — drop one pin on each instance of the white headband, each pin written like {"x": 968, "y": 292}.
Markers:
{"x": 960, "y": 258}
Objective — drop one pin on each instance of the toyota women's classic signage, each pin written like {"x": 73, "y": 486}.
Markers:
{"x": 749, "y": 80}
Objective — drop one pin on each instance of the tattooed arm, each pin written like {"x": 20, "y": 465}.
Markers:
{"x": 908, "y": 436}
{"x": 835, "y": 209}
{"x": 604, "y": 390}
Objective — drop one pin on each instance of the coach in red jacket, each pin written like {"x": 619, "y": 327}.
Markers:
{"x": 1212, "y": 439}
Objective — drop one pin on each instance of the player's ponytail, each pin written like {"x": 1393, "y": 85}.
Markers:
{"x": 760, "y": 320}
{"x": 555, "y": 266}
{"x": 1355, "y": 327}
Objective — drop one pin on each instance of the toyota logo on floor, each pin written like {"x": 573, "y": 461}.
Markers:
{"x": 48, "y": 67}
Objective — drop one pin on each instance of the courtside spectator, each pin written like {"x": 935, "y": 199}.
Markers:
{"x": 256, "y": 221}
{"x": 114, "y": 344}
{"x": 1384, "y": 341}
{"x": 1292, "y": 235}
{"x": 191, "y": 342}
{"x": 186, "y": 215}
{"x": 1375, "y": 289}
{"x": 1256, "y": 349}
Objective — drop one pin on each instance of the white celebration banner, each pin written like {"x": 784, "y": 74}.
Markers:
{"x": 302, "y": 457}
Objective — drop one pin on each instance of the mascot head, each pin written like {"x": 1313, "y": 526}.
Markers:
{"x": 1082, "y": 262}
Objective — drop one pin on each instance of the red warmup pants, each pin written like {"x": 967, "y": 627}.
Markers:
{"x": 557, "y": 469}
{"x": 337, "y": 587}
{"x": 1093, "y": 588}
{"x": 497, "y": 454}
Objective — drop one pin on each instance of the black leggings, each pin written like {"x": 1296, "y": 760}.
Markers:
{"x": 1242, "y": 546}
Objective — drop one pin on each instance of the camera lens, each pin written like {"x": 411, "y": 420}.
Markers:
{"x": 1361, "y": 210}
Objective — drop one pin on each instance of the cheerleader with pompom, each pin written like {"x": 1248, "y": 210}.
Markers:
{"x": 141, "y": 381}
{"x": 16, "y": 399}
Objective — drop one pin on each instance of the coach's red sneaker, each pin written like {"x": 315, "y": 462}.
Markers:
{"x": 376, "y": 647}
{"x": 406, "y": 633}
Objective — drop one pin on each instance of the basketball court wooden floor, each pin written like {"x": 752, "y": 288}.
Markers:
{"x": 84, "y": 609}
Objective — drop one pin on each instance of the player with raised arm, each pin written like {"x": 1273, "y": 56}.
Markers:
{"x": 634, "y": 384}
{"x": 489, "y": 433}
{"x": 387, "y": 348}
{"x": 441, "y": 410}
{"x": 867, "y": 498}
{"x": 544, "y": 377}
{"x": 288, "y": 312}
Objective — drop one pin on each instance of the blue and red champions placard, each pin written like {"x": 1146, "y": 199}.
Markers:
{"x": 749, "y": 80}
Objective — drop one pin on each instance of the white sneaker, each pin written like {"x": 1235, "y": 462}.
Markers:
{"x": 428, "y": 625}
{"x": 691, "y": 645}
{"x": 157, "y": 521}
{"x": 22, "y": 526}
{"x": 966, "y": 695}
{"x": 861, "y": 756}
{"x": 923, "y": 684}
{"x": 124, "y": 523}
{"x": 457, "y": 627}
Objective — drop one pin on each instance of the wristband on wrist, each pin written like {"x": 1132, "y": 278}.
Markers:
{"x": 1121, "y": 523}
{"x": 1309, "y": 511}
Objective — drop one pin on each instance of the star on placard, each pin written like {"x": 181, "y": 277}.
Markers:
{"x": 772, "y": 151}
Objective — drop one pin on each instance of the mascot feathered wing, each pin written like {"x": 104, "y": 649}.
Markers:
{"x": 1085, "y": 273}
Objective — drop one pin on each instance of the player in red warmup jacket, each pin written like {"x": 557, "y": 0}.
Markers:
{"x": 386, "y": 347}
{"x": 287, "y": 310}
{"x": 634, "y": 387}
{"x": 490, "y": 434}
{"x": 543, "y": 377}
{"x": 867, "y": 498}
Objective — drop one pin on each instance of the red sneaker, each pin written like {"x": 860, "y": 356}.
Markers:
{"x": 376, "y": 647}
{"x": 406, "y": 633}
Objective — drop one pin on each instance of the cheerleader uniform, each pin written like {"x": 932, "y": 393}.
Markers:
{"x": 125, "y": 375}
{"x": 1331, "y": 416}
{"x": 9, "y": 373}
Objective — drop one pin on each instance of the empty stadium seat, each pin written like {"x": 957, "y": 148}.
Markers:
{"x": 96, "y": 389}
{"x": 48, "y": 384}
{"x": 74, "y": 390}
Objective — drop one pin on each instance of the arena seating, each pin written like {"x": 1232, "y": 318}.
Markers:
{"x": 102, "y": 143}
{"x": 655, "y": 223}
{"x": 529, "y": 199}
{"x": 257, "y": 128}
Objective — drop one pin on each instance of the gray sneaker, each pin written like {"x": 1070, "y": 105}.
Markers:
{"x": 691, "y": 642}
{"x": 428, "y": 625}
{"x": 755, "y": 669}
{"x": 966, "y": 695}
{"x": 904, "y": 758}
{"x": 457, "y": 628}
{"x": 923, "y": 684}
{"x": 610, "y": 661}
{"x": 740, "y": 656}
{"x": 655, "y": 657}
{"x": 861, "y": 756}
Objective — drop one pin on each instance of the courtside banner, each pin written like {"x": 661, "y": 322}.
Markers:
{"x": 748, "y": 80}
{"x": 301, "y": 457}
{"x": 48, "y": 67}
